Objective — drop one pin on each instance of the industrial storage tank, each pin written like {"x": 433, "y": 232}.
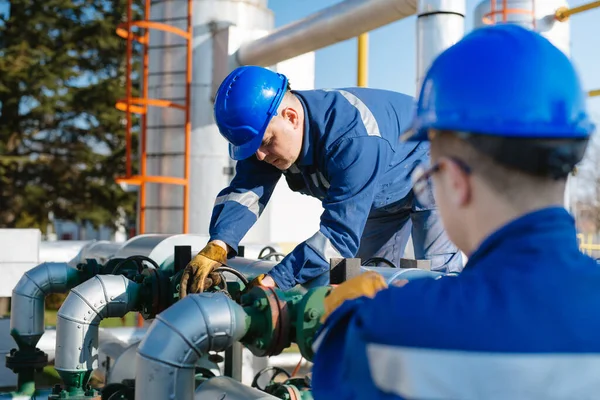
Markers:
{"x": 210, "y": 166}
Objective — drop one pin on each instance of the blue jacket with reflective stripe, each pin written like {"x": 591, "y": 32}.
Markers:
{"x": 520, "y": 322}
{"x": 351, "y": 159}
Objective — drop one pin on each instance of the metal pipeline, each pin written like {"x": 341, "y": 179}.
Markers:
{"x": 27, "y": 304}
{"x": 178, "y": 337}
{"x": 223, "y": 387}
{"x": 252, "y": 268}
{"x": 102, "y": 296}
{"x": 331, "y": 25}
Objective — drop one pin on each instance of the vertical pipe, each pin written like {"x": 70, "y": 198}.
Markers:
{"x": 188, "y": 125}
{"x": 363, "y": 60}
{"x": 143, "y": 139}
{"x": 440, "y": 24}
{"x": 77, "y": 324}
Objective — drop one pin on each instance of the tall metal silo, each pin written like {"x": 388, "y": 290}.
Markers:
{"x": 209, "y": 160}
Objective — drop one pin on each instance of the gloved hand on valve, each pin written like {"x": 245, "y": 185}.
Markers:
{"x": 199, "y": 274}
{"x": 367, "y": 284}
{"x": 261, "y": 280}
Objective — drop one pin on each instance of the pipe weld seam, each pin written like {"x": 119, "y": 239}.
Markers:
{"x": 426, "y": 14}
{"x": 73, "y": 319}
{"x": 85, "y": 301}
{"x": 205, "y": 318}
{"x": 187, "y": 341}
{"x": 28, "y": 276}
{"x": 166, "y": 362}
{"x": 21, "y": 294}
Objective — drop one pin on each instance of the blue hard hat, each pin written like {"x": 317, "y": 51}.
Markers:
{"x": 502, "y": 80}
{"x": 245, "y": 103}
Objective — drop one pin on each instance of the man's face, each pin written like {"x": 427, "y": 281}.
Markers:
{"x": 282, "y": 142}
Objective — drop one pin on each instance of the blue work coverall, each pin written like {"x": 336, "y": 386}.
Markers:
{"x": 520, "y": 322}
{"x": 353, "y": 161}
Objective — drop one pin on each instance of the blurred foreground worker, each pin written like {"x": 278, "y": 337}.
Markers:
{"x": 506, "y": 118}
{"x": 338, "y": 145}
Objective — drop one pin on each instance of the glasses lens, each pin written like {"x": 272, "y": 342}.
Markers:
{"x": 419, "y": 180}
{"x": 422, "y": 185}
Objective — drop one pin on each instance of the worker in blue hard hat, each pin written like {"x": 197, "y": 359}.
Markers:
{"x": 506, "y": 117}
{"x": 341, "y": 146}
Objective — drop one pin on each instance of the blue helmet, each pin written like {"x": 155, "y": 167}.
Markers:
{"x": 245, "y": 103}
{"x": 502, "y": 80}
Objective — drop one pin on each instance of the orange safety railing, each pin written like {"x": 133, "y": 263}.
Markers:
{"x": 139, "y": 105}
{"x": 491, "y": 17}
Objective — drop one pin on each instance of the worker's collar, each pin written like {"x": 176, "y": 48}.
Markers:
{"x": 540, "y": 230}
{"x": 307, "y": 153}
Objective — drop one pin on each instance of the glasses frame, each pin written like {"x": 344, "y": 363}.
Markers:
{"x": 420, "y": 177}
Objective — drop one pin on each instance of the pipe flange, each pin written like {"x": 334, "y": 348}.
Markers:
{"x": 59, "y": 393}
{"x": 282, "y": 323}
{"x": 19, "y": 360}
{"x": 308, "y": 319}
{"x": 157, "y": 292}
{"x": 274, "y": 317}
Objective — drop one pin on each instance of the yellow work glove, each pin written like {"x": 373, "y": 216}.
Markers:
{"x": 258, "y": 281}
{"x": 367, "y": 284}
{"x": 198, "y": 275}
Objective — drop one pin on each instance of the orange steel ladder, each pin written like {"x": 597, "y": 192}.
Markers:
{"x": 490, "y": 18}
{"x": 139, "y": 105}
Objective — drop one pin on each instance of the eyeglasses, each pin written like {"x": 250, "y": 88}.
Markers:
{"x": 421, "y": 179}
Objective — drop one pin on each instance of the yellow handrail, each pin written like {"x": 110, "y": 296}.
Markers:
{"x": 563, "y": 13}
{"x": 593, "y": 93}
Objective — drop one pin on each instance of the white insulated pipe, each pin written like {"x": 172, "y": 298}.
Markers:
{"x": 27, "y": 304}
{"x": 87, "y": 304}
{"x": 178, "y": 337}
{"x": 331, "y": 25}
{"x": 440, "y": 24}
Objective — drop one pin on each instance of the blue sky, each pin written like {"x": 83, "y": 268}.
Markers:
{"x": 392, "y": 50}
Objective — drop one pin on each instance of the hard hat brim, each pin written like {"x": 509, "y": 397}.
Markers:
{"x": 245, "y": 150}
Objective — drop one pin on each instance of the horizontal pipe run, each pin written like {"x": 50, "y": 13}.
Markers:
{"x": 331, "y": 25}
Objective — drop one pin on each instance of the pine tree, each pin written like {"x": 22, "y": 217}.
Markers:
{"x": 62, "y": 141}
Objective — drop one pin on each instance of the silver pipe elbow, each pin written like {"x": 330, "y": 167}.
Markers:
{"x": 178, "y": 337}
{"x": 102, "y": 296}
{"x": 27, "y": 305}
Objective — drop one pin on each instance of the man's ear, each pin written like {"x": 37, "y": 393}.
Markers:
{"x": 291, "y": 115}
{"x": 459, "y": 183}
